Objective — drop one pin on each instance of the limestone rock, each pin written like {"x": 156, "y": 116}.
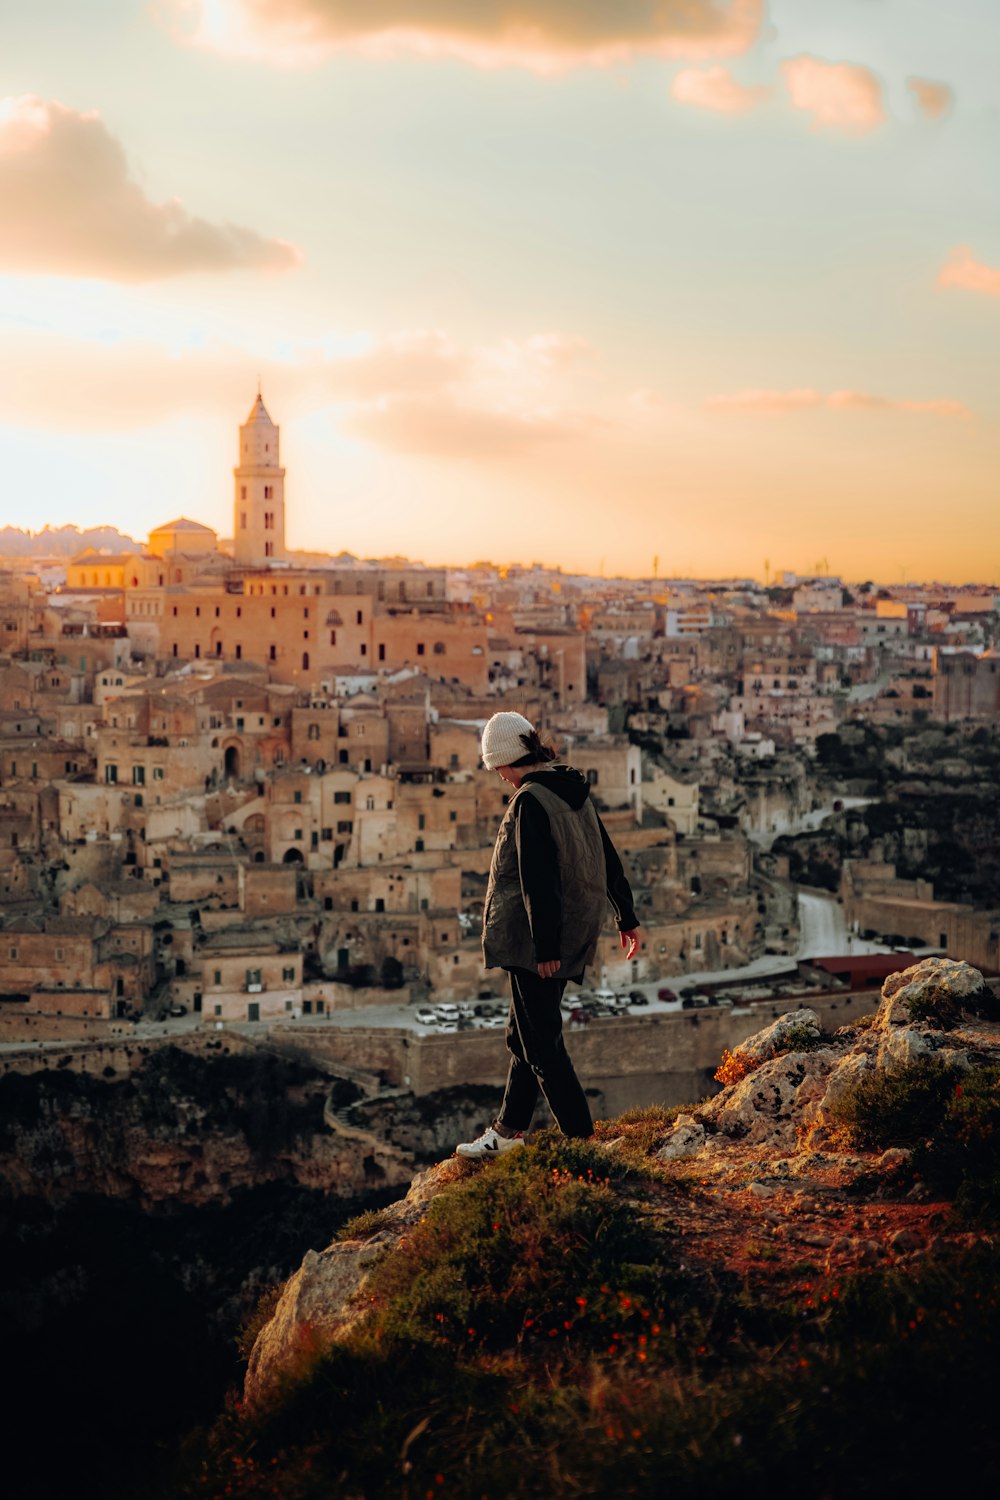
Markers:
{"x": 765, "y": 1043}
{"x": 846, "y": 1073}
{"x": 767, "y": 1105}
{"x": 323, "y": 1300}
{"x": 687, "y": 1136}
{"x": 937, "y": 990}
{"x": 902, "y": 1046}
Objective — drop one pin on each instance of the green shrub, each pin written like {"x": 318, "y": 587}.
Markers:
{"x": 896, "y": 1109}
{"x": 962, "y": 1157}
{"x": 531, "y": 1251}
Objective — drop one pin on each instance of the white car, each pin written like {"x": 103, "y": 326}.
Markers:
{"x": 495, "y": 1023}
{"x": 446, "y": 1011}
{"x": 447, "y": 1026}
{"x": 465, "y": 1009}
{"x": 606, "y": 997}
{"x": 426, "y": 1016}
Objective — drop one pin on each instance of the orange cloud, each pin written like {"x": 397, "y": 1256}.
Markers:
{"x": 841, "y": 96}
{"x": 446, "y": 427}
{"x": 543, "y": 35}
{"x": 415, "y": 392}
{"x": 933, "y": 100}
{"x": 963, "y": 270}
{"x": 779, "y": 403}
{"x": 716, "y": 88}
{"x": 70, "y": 208}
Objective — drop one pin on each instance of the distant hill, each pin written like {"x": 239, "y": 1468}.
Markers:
{"x": 61, "y": 541}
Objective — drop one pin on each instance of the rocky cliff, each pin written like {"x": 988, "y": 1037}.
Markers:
{"x": 696, "y": 1298}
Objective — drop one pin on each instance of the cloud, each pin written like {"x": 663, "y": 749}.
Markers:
{"x": 716, "y": 88}
{"x": 449, "y": 428}
{"x": 70, "y": 208}
{"x": 780, "y": 403}
{"x": 933, "y": 100}
{"x": 416, "y": 391}
{"x": 963, "y": 270}
{"x": 543, "y": 35}
{"x": 842, "y": 96}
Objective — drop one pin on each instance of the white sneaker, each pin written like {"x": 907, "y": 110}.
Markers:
{"x": 490, "y": 1143}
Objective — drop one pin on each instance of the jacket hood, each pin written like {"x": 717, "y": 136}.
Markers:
{"x": 566, "y": 781}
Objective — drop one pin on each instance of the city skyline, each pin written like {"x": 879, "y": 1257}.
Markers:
{"x": 714, "y": 283}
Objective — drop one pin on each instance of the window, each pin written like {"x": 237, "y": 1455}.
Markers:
{"x": 364, "y": 649}
{"x": 138, "y": 775}
{"x": 592, "y": 777}
{"x": 381, "y": 651}
{"x": 333, "y": 637}
{"x": 269, "y": 520}
{"x": 110, "y": 774}
{"x": 419, "y": 846}
{"x": 217, "y": 977}
{"x": 326, "y": 835}
{"x": 305, "y": 661}
{"x": 243, "y": 491}
{"x": 296, "y": 796}
{"x": 297, "y": 835}
{"x": 380, "y": 903}
{"x": 420, "y": 648}
{"x": 272, "y": 651}
{"x": 12, "y": 954}
{"x": 268, "y": 549}
{"x": 268, "y": 491}
{"x": 361, "y": 617}
{"x": 313, "y": 732}
{"x": 288, "y": 975}
{"x": 453, "y": 816}
{"x": 345, "y": 827}
{"x": 243, "y": 520}
{"x": 342, "y": 798}
{"x": 421, "y": 820}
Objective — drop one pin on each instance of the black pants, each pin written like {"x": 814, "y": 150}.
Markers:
{"x": 539, "y": 1060}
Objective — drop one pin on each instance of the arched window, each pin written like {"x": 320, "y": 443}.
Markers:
{"x": 314, "y": 731}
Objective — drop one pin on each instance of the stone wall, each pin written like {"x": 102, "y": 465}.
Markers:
{"x": 633, "y": 1060}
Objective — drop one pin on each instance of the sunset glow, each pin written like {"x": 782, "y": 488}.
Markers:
{"x": 715, "y": 281}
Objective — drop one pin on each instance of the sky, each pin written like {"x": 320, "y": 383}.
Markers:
{"x": 705, "y": 287}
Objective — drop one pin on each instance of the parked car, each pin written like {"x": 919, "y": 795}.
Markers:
{"x": 665, "y": 994}
{"x": 465, "y": 1010}
{"x": 426, "y": 1016}
{"x": 446, "y": 1011}
{"x": 636, "y": 997}
{"x": 694, "y": 1002}
{"x": 177, "y": 1009}
{"x": 605, "y": 997}
{"x": 447, "y": 1026}
{"x": 495, "y": 1023}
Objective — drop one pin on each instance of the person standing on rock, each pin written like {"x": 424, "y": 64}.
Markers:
{"x": 554, "y": 872}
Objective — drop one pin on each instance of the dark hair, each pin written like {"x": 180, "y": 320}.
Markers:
{"x": 537, "y": 751}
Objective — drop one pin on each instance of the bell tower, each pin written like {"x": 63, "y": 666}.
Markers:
{"x": 259, "y": 496}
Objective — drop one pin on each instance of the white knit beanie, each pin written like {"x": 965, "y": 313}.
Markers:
{"x": 502, "y": 743}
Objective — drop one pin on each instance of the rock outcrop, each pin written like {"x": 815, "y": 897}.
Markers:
{"x": 763, "y": 1151}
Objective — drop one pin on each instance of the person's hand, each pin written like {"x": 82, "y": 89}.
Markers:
{"x": 549, "y": 967}
{"x": 630, "y": 941}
